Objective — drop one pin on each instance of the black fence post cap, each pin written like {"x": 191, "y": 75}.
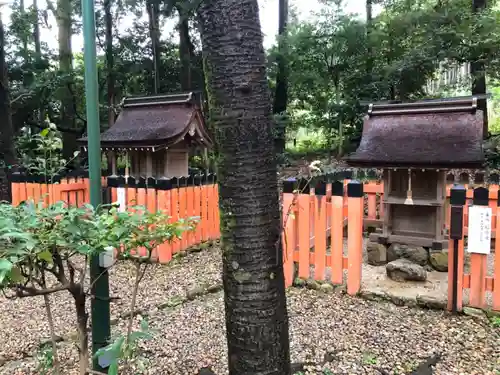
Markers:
{"x": 289, "y": 185}
{"x": 481, "y": 196}
{"x": 338, "y": 188}
{"x": 458, "y": 195}
{"x": 355, "y": 189}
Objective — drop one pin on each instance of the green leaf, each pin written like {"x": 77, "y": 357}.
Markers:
{"x": 5, "y": 265}
{"x": 45, "y": 132}
{"x": 45, "y": 256}
{"x": 16, "y": 275}
{"x": 113, "y": 369}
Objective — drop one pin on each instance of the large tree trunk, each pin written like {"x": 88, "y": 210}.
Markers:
{"x": 7, "y": 152}
{"x": 369, "y": 52}
{"x": 108, "y": 19}
{"x": 186, "y": 50}
{"x": 38, "y": 53}
{"x": 67, "y": 120}
{"x": 239, "y": 102}
{"x": 477, "y": 71}
{"x": 281, "y": 93}
{"x": 153, "y": 14}
{"x": 36, "y": 31}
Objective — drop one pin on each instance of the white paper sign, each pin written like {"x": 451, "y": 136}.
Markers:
{"x": 479, "y": 230}
{"x": 121, "y": 199}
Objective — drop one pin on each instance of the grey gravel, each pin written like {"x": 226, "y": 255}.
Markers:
{"x": 353, "y": 335}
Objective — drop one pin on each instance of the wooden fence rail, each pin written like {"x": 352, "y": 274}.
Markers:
{"x": 181, "y": 198}
{"x": 314, "y": 236}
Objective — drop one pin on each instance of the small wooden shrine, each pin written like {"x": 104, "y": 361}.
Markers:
{"x": 155, "y": 134}
{"x": 415, "y": 143}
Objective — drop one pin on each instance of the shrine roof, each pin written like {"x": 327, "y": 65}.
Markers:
{"x": 156, "y": 122}
{"x": 432, "y": 134}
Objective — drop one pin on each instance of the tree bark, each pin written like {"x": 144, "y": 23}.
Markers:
{"x": 186, "y": 50}
{"x": 36, "y": 31}
{"x": 82, "y": 320}
{"x": 153, "y": 14}
{"x": 7, "y": 151}
{"x": 239, "y": 102}
{"x": 281, "y": 93}
{"x": 477, "y": 71}
{"x": 108, "y": 19}
{"x": 67, "y": 119}
{"x": 369, "y": 52}
{"x": 38, "y": 54}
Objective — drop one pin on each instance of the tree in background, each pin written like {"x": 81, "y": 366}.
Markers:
{"x": 240, "y": 108}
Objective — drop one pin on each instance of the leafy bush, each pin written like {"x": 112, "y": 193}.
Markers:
{"x": 41, "y": 153}
{"x": 46, "y": 249}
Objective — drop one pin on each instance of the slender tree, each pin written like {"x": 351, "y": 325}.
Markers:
{"x": 186, "y": 49}
{"x": 239, "y": 103}
{"x": 108, "y": 21}
{"x": 7, "y": 152}
{"x": 477, "y": 71}
{"x": 281, "y": 93}
{"x": 154, "y": 18}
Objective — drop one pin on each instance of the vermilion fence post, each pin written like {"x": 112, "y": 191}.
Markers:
{"x": 204, "y": 208}
{"x": 217, "y": 212}
{"x": 304, "y": 221}
{"x": 164, "y": 186}
{"x": 354, "y": 236}
{"x": 289, "y": 230}
{"x": 337, "y": 232}
{"x": 152, "y": 206}
{"x": 478, "y": 262}
{"x": 456, "y": 248}
{"x": 197, "y": 208}
{"x": 320, "y": 230}
{"x": 183, "y": 208}
{"x": 190, "y": 237}
{"x": 174, "y": 210}
{"x": 496, "y": 271}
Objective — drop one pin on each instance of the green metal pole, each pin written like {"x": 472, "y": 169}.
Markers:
{"x": 99, "y": 277}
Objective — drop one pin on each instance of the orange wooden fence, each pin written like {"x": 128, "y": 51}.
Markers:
{"x": 180, "y": 198}
{"x": 374, "y": 209}
{"x": 313, "y": 233}
{"x": 314, "y": 220}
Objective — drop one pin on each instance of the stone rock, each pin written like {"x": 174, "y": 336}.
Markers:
{"x": 299, "y": 283}
{"x": 312, "y": 284}
{"x": 439, "y": 261}
{"x": 377, "y": 254}
{"x": 416, "y": 254}
{"x": 326, "y": 288}
{"x": 405, "y": 270}
{"x": 195, "y": 292}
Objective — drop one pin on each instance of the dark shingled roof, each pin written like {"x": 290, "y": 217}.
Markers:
{"x": 156, "y": 121}
{"x": 437, "y": 134}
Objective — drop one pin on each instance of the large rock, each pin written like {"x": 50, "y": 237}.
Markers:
{"x": 377, "y": 253}
{"x": 417, "y": 254}
{"x": 404, "y": 270}
{"x": 439, "y": 261}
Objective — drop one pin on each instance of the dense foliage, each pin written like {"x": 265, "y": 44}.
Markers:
{"x": 336, "y": 62}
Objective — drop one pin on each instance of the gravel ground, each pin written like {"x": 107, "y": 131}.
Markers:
{"x": 337, "y": 332}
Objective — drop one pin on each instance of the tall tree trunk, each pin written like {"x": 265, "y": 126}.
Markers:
{"x": 153, "y": 14}
{"x": 38, "y": 53}
{"x": 25, "y": 36}
{"x": 186, "y": 50}
{"x": 67, "y": 119}
{"x": 281, "y": 93}
{"x": 36, "y": 31}
{"x": 239, "y": 102}
{"x": 369, "y": 51}
{"x": 477, "y": 71}
{"x": 7, "y": 152}
{"x": 108, "y": 19}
